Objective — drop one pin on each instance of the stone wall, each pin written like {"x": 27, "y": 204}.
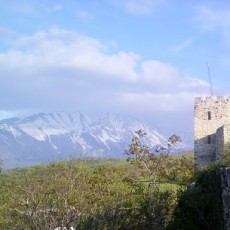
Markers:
{"x": 220, "y": 134}
{"x": 211, "y": 129}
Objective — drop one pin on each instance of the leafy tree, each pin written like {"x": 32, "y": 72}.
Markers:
{"x": 151, "y": 168}
{"x": 151, "y": 163}
{"x": 226, "y": 151}
{"x": 181, "y": 170}
{"x": 68, "y": 194}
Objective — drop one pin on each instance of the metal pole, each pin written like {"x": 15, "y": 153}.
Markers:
{"x": 210, "y": 79}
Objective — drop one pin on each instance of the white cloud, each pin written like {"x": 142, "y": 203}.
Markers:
{"x": 142, "y": 101}
{"x": 159, "y": 102}
{"x": 59, "y": 69}
{"x": 193, "y": 83}
{"x": 6, "y": 114}
{"x": 6, "y": 32}
{"x": 65, "y": 49}
{"x": 53, "y": 8}
{"x": 210, "y": 19}
{"x": 185, "y": 44}
{"x": 85, "y": 15}
{"x": 163, "y": 109}
{"x": 168, "y": 99}
{"x": 24, "y": 6}
{"x": 139, "y": 6}
{"x": 158, "y": 72}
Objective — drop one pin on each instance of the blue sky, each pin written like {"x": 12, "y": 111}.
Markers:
{"x": 145, "y": 58}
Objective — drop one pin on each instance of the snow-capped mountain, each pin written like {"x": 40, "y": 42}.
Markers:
{"x": 45, "y": 137}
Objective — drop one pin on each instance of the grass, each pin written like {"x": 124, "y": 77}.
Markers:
{"x": 169, "y": 187}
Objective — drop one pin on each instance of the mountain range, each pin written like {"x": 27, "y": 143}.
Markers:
{"x": 46, "y": 137}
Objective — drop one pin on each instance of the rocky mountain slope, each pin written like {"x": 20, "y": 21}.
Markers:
{"x": 45, "y": 137}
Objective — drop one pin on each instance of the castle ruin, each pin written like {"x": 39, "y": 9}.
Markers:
{"x": 211, "y": 129}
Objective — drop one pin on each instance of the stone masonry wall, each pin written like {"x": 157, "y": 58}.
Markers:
{"x": 210, "y": 114}
{"x": 222, "y": 141}
{"x": 220, "y": 134}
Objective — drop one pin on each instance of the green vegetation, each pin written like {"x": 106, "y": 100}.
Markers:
{"x": 83, "y": 194}
{"x": 115, "y": 194}
{"x": 200, "y": 206}
{"x": 146, "y": 191}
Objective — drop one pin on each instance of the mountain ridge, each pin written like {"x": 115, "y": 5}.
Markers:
{"x": 44, "y": 137}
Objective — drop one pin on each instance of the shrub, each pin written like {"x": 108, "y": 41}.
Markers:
{"x": 200, "y": 207}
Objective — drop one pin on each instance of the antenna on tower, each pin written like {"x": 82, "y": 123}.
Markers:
{"x": 210, "y": 79}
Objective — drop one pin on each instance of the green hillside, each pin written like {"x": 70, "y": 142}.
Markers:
{"x": 89, "y": 194}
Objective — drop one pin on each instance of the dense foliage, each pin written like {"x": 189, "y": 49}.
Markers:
{"x": 140, "y": 193}
{"x": 148, "y": 191}
{"x": 84, "y": 195}
{"x": 200, "y": 207}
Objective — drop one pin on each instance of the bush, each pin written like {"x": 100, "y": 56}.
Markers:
{"x": 200, "y": 207}
{"x": 83, "y": 195}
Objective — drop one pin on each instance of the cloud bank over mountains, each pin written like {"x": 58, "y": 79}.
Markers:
{"x": 146, "y": 58}
{"x": 60, "y": 68}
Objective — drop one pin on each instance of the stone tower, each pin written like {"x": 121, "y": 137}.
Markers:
{"x": 211, "y": 129}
